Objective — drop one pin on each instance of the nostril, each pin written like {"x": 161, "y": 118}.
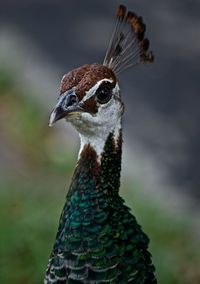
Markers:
{"x": 71, "y": 100}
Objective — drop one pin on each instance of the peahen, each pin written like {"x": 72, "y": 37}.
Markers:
{"x": 98, "y": 239}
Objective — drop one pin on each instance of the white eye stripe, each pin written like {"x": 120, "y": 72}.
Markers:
{"x": 93, "y": 90}
{"x": 116, "y": 91}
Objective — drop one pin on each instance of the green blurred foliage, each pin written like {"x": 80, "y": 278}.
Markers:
{"x": 33, "y": 192}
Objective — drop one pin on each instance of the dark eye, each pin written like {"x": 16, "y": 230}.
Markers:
{"x": 104, "y": 94}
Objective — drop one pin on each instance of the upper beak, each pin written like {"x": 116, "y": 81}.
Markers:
{"x": 67, "y": 103}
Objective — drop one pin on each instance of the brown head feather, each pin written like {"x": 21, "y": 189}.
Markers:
{"x": 72, "y": 78}
{"x": 85, "y": 77}
{"x": 82, "y": 79}
{"x": 95, "y": 73}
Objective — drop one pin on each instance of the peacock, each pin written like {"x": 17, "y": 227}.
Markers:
{"x": 98, "y": 239}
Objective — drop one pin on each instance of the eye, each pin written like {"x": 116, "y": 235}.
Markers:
{"x": 104, "y": 93}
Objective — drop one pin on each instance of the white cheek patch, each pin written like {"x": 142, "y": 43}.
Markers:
{"x": 94, "y": 129}
{"x": 93, "y": 90}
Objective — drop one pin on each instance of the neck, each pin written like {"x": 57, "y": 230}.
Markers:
{"x": 99, "y": 139}
{"x": 100, "y": 162}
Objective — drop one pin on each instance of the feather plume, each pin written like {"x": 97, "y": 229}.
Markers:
{"x": 127, "y": 46}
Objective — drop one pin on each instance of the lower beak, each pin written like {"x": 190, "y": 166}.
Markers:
{"x": 67, "y": 104}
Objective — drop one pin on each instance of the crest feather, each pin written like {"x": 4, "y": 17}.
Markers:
{"x": 127, "y": 46}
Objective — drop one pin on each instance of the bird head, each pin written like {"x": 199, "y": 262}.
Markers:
{"x": 89, "y": 98}
{"x": 90, "y": 95}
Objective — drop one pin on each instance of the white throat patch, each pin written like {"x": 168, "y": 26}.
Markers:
{"x": 97, "y": 142}
{"x": 94, "y": 130}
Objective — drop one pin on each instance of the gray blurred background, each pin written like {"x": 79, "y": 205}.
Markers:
{"x": 162, "y": 100}
{"x": 42, "y": 40}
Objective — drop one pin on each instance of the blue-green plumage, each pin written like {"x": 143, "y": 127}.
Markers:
{"x": 99, "y": 240}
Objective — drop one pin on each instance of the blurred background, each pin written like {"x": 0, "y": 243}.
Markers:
{"x": 39, "y": 42}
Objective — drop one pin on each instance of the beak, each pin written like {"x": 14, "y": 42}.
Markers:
{"x": 67, "y": 103}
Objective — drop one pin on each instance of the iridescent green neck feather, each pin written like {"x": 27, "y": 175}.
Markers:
{"x": 99, "y": 240}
